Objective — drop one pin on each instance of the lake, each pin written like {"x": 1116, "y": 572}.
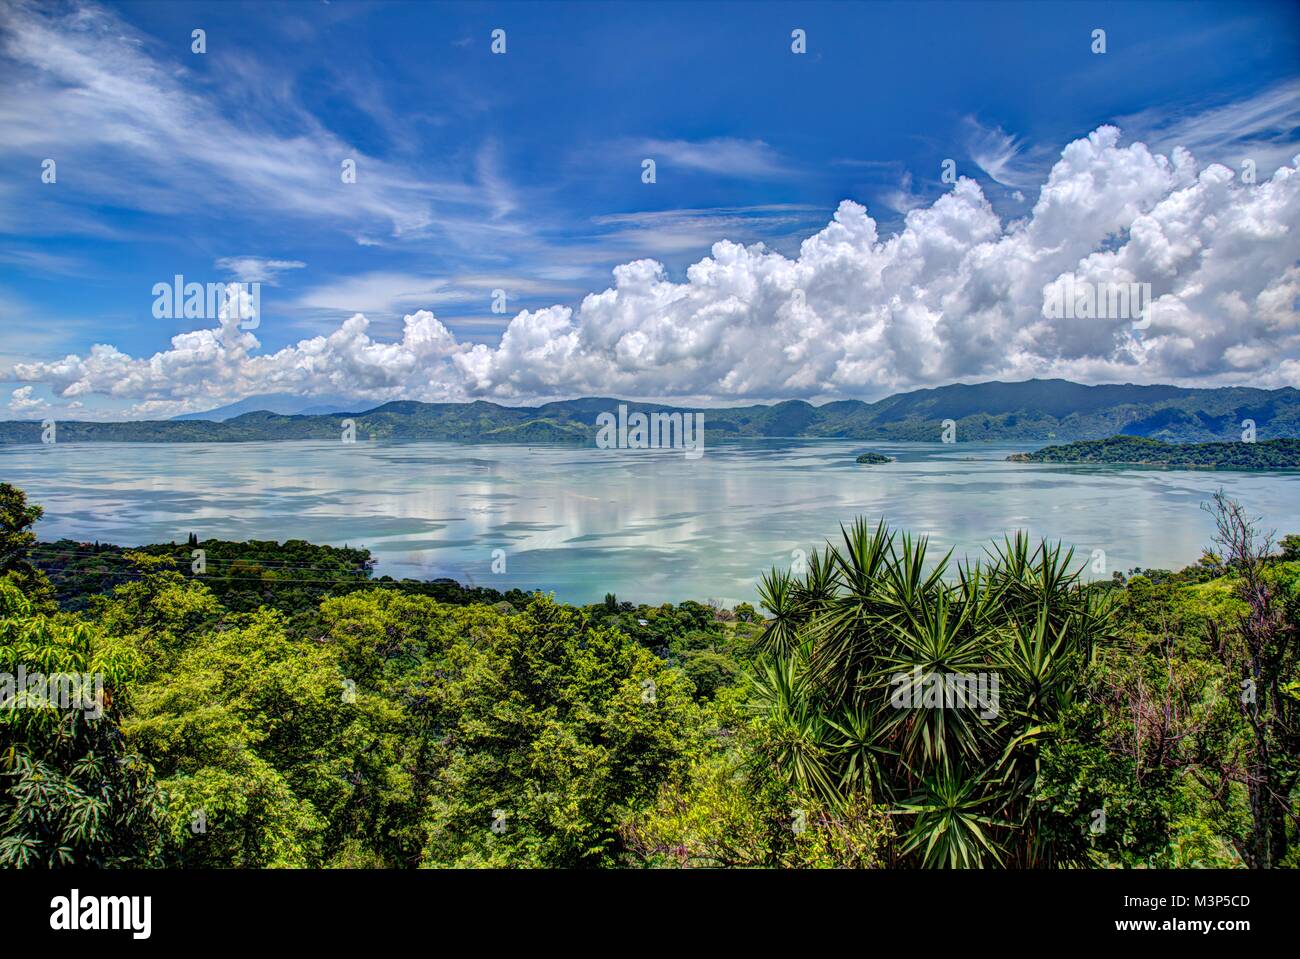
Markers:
{"x": 648, "y": 525}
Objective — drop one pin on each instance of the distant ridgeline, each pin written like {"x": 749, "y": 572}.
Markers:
{"x": 1032, "y": 410}
{"x": 1142, "y": 451}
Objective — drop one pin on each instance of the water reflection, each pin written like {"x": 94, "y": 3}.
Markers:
{"x": 647, "y": 525}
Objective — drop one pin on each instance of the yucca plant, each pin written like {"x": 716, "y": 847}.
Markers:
{"x": 780, "y": 635}
{"x": 798, "y": 735}
{"x": 858, "y": 646}
{"x": 951, "y": 824}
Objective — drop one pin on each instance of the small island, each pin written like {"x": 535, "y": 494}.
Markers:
{"x": 1280, "y": 454}
{"x": 873, "y": 459}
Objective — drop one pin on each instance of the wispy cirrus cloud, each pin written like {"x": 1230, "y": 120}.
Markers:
{"x": 902, "y": 199}
{"x": 1004, "y": 158}
{"x": 391, "y": 292}
{"x": 497, "y": 191}
{"x": 1264, "y": 127}
{"x": 147, "y": 134}
{"x": 378, "y": 292}
{"x": 723, "y": 156}
{"x": 42, "y": 261}
{"x": 256, "y": 269}
{"x": 665, "y": 232}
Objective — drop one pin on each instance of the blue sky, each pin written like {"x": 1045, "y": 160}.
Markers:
{"x": 522, "y": 171}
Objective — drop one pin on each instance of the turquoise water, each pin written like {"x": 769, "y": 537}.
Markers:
{"x": 648, "y": 525}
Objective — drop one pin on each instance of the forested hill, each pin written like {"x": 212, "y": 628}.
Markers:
{"x": 1140, "y": 451}
{"x": 1027, "y": 411}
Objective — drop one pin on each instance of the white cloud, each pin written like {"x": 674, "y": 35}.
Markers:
{"x": 726, "y": 156}
{"x": 380, "y": 292}
{"x": 389, "y": 292}
{"x": 1262, "y": 128}
{"x": 902, "y": 199}
{"x": 256, "y": 269}
{"x": 956, "y": 294}
{"x": 22, "y": 404}
{"x": 672, "y": 232}
{"x": 1000, "y": 155}
{"x": 144, "y": 134}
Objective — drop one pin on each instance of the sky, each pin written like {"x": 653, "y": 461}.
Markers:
{"x": 500, "y": 241}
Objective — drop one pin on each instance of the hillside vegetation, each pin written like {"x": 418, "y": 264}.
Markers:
{"x": 1032, "y": 410}
{"x": 1143, "y": 451}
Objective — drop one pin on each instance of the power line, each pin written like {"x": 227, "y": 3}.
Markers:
{"x": 123, "y": 550}
{"x": 274, "y": 565}
{"x": 200, "y": 578}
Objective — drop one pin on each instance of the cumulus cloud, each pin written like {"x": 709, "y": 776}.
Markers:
{"x": 957, "y": 293}
{"x": 22, "y": 403}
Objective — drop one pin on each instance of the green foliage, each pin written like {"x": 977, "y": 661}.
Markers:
{"x": 1276, "y": 454}
{"x": 1147, "y": 722}
{"x": 16, "y": 522}
{"x": 724, "y": 819}
{"x": 729, "y": 810}
{"x": 387, "y": 728}
{"x": 855, "y": 643}
{"x": 72, "y": 793}
{"x": 16, "y": 541}
{"x": 556, "y": 730}
{"x": 293, "y": 576}
{"x": 245, "y": 730}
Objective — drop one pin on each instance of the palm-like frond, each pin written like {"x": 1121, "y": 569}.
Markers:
{"x": 776, "y": 593}
{"x": 952, "y": 827}
{"x": 874, "y": 616}
{"x": 858, "y": 751}
{"x": 799, "y": 744}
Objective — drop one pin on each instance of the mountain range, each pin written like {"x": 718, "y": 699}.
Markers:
{"x": 1032, "y": 410}
{"x": 288, "y": 404}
